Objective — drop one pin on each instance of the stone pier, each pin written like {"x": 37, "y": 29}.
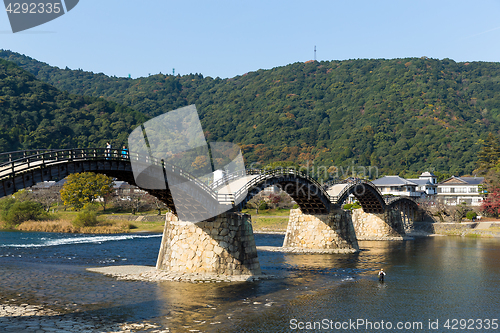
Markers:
{"x": 222, "y": 245}
{"x": 375, "y": 226}
{"x": 333, "y": 232}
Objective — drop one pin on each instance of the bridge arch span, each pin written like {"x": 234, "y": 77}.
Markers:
{"x": 393, "y": 202}
{"x": 367, "y": 194}
{"x": 19, "y": 170}
{"x": 305, "y": 191}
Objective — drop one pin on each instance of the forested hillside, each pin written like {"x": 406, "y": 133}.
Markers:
{"x": 33, "y": 114}
{"x": 412, "y": 114}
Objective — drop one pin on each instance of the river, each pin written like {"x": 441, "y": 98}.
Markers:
{"x": 435, "y": 284}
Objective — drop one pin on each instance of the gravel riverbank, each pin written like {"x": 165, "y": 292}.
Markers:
{"x": 38, "y": 319}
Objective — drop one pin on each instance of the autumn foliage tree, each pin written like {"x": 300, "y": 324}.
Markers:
{"x": 491, "y": 205}
{"x": 274, "y": 200}
{"x": 83, "y": 189}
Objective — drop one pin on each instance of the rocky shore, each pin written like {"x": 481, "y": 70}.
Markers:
{"x": 38, "y": 319}
{"x": 304, "y": 250}
{"x": 151, "y": 274}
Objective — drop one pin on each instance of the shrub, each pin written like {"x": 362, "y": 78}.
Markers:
{"x": 471, "y": 214}
{"x": 347, "y": 206}
{"x": 295, "y": 206}
{"x": 5, "y": 205}
{"x": 85, "y": 219}
{"x": 263, "y": 206}
{"x": 351, "y": 206}
{"x": 16, "y": 212}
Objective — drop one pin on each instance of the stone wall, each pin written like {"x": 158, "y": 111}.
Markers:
{"x": 137, "y": 218}
{"x": 222, "y": 245}
{"x": 458, "y": 229}
{"x": 444, "y": 227}
{"x": 373, "y": 226}
{"x": 317, "y": 232}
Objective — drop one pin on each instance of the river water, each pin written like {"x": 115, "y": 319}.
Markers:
{"x": 436, "y": 284}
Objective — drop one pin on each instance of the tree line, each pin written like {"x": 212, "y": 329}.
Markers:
{"x": 401, "y": 115}
{"x": 34, "y": 114}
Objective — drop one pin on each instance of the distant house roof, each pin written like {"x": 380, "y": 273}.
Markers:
{"x": 43, "y": 185}
{"x": 427, "y": 174}
{"x": 122, "y": 184}
{"x": 392, "y": 181}
{"x": 463, "y": 181}
{"x": 421, "y": 182}
{"x": 48, "y": 184}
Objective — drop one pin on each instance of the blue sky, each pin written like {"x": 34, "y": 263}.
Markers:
{"x": 229, "y": 38}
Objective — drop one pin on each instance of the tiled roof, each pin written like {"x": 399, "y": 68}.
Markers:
{"x": 421, "y": 182}
{"x": 463, "y": 181}
{"x": 392, "y": 181}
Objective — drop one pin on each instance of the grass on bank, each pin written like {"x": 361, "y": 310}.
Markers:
{"x": 267, "y": 212}
{"x": 66, "y": 226}
{"x": 113, "y": 221}
{"x": 274, "y": 224}
{"x": 64, "y": 221}
{"x": 275, "y": 220}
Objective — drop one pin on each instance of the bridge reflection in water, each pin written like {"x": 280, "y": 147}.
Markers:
{"x": 386, "y": 218}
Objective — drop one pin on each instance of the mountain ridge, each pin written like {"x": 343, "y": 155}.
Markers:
{"x": 399, "y": 115}
{"x": 34, "y": 114}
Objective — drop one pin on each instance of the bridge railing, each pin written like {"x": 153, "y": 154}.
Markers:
{"x": 15, "y": 155}
{"x": 227, "y": 178}
{"x": 13, "y": 163}
{"x": 31, "y": 156}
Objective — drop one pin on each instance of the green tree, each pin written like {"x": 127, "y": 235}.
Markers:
{"x": 489, "y": 155}
{"x": 83, "y": 189}
{"x": 14, "y": 212}
{"x": 282, "y": 165}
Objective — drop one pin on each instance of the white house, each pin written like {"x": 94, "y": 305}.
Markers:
{"x": 426, "y": 183}
{"x": 456, "y": 190}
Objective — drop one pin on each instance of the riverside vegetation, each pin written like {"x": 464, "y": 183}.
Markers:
{"x": 268, "y": 220}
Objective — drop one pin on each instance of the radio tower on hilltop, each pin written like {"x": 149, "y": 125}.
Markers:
{"x": 314, "y": 52}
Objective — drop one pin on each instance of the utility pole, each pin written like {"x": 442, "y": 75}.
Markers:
{"x": 314, "y": 52}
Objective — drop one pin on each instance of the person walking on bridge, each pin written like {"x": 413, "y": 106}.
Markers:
{"x": 381, "y": 275}
{"x": 108, "y": 150}
{"x": 124, "y": 152}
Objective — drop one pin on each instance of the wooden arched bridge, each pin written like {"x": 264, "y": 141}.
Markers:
{"x": 22, "y": 169}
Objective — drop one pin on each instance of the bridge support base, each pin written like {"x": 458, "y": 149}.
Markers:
{"x": 222, "y": 245}
{"x": 370, "y": 226}
{"x": 403, "y": 217}
{"x": 332, "y": 231}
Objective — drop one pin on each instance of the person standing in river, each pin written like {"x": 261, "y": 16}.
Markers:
{"x": 381, "y": 275}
